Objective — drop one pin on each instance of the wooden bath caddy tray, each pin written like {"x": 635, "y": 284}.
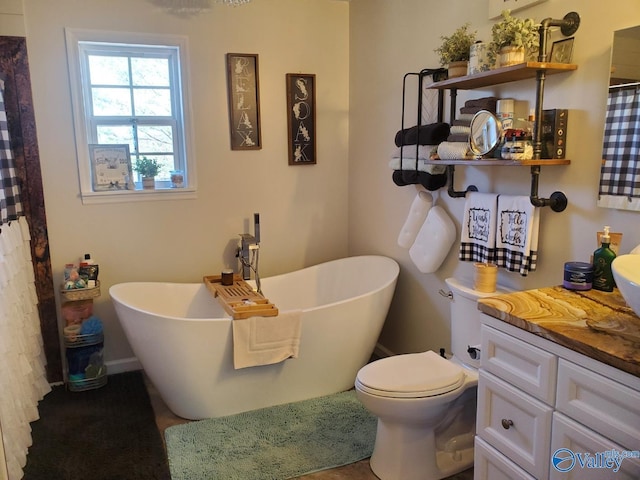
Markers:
{"x": 240, "y": 300}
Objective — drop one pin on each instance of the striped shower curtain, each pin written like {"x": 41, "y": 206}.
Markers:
{"x": 620, "y": 172}
{"x": 22, "y": 362}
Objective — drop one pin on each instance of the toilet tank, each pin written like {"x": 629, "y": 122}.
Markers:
{"x": 465, "y": 318}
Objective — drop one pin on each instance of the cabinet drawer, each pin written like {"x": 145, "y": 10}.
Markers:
{"x": 521, "y": 364}
{"x": 516, "y": 424}
{"x": 489, "y": 464}
{"x": 606, "y": 406}
{"x": 580, "y": 453}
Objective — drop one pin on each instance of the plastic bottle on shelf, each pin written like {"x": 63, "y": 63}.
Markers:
{"x": 89, "y": 269}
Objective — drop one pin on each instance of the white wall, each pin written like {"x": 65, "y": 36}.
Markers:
{"x": 11, "y": 18}
{"x": 389, "y": 39}
{"x": 303, "y": 208}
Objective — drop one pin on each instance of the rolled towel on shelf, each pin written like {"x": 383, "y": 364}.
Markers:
{"x": 427, "y": 180}
{"x": 420, "y": 206}
{"x": 464, "y": 129}
{"x": 458, "y": 137}
{"x": 409, "y": 164}
{"x": 454, "y": 150}
{"x": 484, "y": 103}
{"x": 430, "y": 134}
{"x": 425, "y": 152}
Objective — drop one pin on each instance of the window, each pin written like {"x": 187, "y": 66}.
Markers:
{"x": 131, "y": 89}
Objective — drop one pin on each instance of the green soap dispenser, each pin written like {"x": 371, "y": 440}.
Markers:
{"x": 602, "y": 259}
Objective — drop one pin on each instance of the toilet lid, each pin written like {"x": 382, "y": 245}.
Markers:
{"x": 411, "y": 375}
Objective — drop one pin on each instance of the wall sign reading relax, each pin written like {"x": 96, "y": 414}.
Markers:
{"x": 244, "y": 101}
{"x": 301, "y": 118}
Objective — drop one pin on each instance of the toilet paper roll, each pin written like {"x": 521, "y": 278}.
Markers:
{"x": 417, "y": 215}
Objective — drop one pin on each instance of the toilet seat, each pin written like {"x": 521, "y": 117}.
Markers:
{"x": 413, "y": 375}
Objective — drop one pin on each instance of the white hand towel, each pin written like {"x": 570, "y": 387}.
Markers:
{"x": 454, "y": 150}
{"x": 517, "y": 234}
{"x": 409, "y": 151}
{"x": 266, "y": 340}
{"x": 478, "y": 237}
{"x": 434, "y": 240}
{"x": 417, "y": 215}
{"x": 410, "y": 164}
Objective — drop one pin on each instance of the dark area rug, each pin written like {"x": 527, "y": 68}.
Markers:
{"x": 104, "y": 434}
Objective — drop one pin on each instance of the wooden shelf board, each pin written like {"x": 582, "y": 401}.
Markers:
{"x": 500, "y": 163}
{"x": 521, "y": 71}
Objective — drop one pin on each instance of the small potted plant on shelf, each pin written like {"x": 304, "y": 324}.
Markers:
{"x": 454, "y": 51}
{"x": 512, "y": 40}
{"x": 148, "y": 168}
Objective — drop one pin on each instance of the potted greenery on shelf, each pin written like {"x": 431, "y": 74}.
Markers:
{"x": 148, "y": 168}
{"x": 513, "y": 39}
{"x": 454, "y": 51}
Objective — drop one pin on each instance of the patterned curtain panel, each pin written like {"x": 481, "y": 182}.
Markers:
{"x": 10, "y": 203}
{"x": 620, "y": 172}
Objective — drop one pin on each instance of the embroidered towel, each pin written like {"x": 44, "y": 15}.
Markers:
{"x": 478, "y": 237}
{"x": 434, "y": 240}
{"x": 417, "y": 215}
{"x": 517, "y": 234}
{"x": 266, "y": 340}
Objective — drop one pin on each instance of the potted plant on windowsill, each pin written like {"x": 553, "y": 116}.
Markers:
{"x": 148, "y": 168}
{"x": 512, "y": 40}
{"x": 454, "y": 50}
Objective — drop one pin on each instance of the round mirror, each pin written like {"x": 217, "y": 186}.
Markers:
{"x": 485, "y": 133}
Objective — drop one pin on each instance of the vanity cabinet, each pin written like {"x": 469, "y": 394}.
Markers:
{"x": 536, "y": 397}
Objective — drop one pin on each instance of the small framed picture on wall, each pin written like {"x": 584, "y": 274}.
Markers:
{"x": 301, "y": 118}
{"x": 111, "y": 167}
{"x": 561, "y": 51}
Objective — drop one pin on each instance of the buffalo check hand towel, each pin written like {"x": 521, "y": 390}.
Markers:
{"x": 517, "y": 234}
{"x": 478, "y": 236}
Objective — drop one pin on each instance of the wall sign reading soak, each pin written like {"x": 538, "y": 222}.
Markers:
{"x": 244, "y": 101}
{"x": 301, "y": 118}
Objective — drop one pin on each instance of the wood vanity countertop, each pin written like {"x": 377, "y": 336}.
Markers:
{"x": 597, "y": 324}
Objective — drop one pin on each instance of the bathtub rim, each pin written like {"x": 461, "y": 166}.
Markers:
{"x": 226, "y": 316}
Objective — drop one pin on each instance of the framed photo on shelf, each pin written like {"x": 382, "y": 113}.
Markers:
{"x": 497, "y": 6}
{"x": 111, "y": 167}
{"x": 561, "y": 51}
{"x": 301, "y": 118}
{"x": 244, "y": 101}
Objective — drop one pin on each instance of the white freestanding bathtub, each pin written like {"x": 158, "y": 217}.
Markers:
{"x": 183, "y": 337}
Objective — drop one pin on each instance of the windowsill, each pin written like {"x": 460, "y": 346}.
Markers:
{"x": 122, "y": 196}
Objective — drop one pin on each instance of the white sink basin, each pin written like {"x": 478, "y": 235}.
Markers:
{"x": 626, "y": 272}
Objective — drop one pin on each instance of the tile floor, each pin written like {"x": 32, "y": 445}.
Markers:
{"x": 356, "y": 471}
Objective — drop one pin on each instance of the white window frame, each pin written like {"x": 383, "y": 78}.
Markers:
{"x": 81, "y": 120}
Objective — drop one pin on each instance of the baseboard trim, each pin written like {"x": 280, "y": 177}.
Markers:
{"x": 123, "y": 365}
{"x": 381, "y": 351}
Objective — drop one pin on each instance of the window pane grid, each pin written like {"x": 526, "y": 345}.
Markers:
{"x": 133, "y": 95}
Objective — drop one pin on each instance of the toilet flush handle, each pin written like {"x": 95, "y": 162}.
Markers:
{"x": 474, "y": 352}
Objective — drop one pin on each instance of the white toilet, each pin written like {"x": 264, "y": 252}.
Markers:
{"x": 426, "y": 404}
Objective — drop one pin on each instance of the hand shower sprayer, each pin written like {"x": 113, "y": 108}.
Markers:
{"x": 250, "y": 247}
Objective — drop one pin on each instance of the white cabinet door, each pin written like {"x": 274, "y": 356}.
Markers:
{"x": 518, "y": 425}
{"x": 606, "y": 406}
{"x": 525, "y": 366}
{"x": 489, "y": 464}
{"x": 578, "y": 453}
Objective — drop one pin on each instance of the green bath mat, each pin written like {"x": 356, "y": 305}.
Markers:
{"x": 274, "y": 443}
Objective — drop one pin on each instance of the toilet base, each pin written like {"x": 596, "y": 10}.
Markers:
{"x": 408, "y": 454}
